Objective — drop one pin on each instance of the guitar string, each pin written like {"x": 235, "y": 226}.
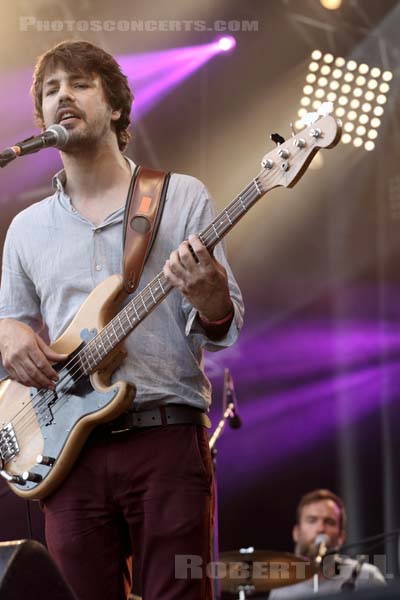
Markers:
{"x": 237, "y": 203}
{"x": 235, "y": 209}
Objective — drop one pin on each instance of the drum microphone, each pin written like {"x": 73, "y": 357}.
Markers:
{"x": 321, "y": 542}
{"x": 235, "y": 422}
{"x": 55, "y": 135}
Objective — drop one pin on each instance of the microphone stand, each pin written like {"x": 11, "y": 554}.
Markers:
{"x": 368, "y": 544}
{"x": 228, "y": 413}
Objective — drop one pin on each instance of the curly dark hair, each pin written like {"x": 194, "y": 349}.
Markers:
{"x": 84, "y": 57}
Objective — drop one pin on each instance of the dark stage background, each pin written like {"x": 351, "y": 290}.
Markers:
{"x": 316, "y": 370}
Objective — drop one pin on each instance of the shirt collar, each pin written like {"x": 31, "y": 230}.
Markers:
{"x": 59, "y": 179}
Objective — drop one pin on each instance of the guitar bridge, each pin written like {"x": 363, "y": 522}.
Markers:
{"x": 8, "y": 443}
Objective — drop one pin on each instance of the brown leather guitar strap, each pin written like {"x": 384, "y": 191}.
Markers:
{"x": 143, "y": 210}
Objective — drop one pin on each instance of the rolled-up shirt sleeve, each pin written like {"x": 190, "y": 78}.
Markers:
{"x": 202, "y": 214}
{"x": 18, "y": 297}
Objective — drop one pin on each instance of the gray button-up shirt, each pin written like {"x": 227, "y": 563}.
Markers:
{"x": 54, "y": 257}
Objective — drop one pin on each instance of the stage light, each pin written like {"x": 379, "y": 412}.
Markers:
{"x": 331, "y": 4}
{"x": 346, "y": 138}
{"x": 226, "y": 43}
{"x": 369, "y": 145}
{"x": 375, "y": 122}
{"x": 372, "y": 134}
{"x": 351, "y": 85}
{"x": 316, "y": 54}
{"x": 328, "y": 58}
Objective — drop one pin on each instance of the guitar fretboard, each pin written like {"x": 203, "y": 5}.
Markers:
{"x": 154, "y": 293}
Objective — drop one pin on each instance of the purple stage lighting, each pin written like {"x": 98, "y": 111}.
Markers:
{"x": 152, "y": 76}
{"x": 226, "y": 43}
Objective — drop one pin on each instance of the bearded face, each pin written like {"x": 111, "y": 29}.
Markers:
{"x": 77, "y": 101}
{"x": 320, "y": 517}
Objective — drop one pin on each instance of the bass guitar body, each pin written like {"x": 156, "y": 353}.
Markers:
{"x": 42, "y": 431}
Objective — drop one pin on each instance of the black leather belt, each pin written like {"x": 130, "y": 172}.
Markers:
{"x": 172, "y": 414}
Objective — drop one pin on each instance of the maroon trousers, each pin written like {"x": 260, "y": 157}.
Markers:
{"x": 145, "y": 493}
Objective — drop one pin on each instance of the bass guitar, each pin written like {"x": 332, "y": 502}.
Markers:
{"x": 42, "y": 431}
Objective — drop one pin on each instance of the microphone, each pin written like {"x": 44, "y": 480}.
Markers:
{"x": 55, "y": 135}
{"x": 321, "y": 542}
{"x": 235, "y": 422}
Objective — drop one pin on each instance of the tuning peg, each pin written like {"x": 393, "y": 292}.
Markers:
{"x": 278, "y": 139}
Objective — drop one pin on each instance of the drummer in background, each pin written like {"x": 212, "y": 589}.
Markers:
{"x": 322, "y": 513}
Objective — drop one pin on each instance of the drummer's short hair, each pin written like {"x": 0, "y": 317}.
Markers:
{"x": 318, "y": 496}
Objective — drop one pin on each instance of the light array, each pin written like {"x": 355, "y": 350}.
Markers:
{"x": 358, "y": 92}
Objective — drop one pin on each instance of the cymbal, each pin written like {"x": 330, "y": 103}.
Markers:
{"x": 262, "y": 570}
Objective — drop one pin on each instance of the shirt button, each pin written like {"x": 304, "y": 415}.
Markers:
{"x": 98, "y": 267}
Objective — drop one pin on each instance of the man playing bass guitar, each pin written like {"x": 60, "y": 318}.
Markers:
{"x": 145, "y": 491}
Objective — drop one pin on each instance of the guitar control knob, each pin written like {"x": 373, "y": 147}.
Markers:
{"x": 283, "y": 153}
{"x": 30, "y": 476}
{"x": 17, "y": 479}
{"x": 300, "y": 142}
{"x": 48, "y": 461}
